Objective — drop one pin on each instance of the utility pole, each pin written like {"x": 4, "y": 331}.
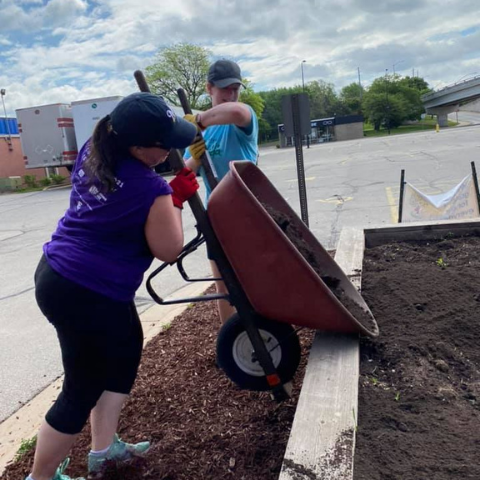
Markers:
{"x": 303, "y": 79}
{"x": 360, "y": 83}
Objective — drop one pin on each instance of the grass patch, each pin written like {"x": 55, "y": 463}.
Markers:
{"x": 25, "y": 447}
{"x": 27, "y": 190}
{"x": 422, "y": 125}
{"x": 270, "y": 143}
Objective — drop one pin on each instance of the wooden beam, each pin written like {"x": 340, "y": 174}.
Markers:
{"x": 419, "y": 231}
{"x": 322, "y": 439}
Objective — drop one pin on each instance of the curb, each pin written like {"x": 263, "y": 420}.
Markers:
{"x": 57, "y": 187}
{"x": 25, "y": 422}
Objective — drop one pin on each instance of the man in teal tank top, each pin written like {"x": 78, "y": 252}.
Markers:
{"x": 230, "y": 130}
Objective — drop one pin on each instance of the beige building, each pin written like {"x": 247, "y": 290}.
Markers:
{"x": 329, "y": 129}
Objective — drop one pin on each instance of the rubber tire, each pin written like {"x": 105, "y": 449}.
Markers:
{"x": 283, "y": 333}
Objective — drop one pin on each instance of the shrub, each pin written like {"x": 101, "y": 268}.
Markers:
{"x": 45, "y": 182}
{"x": 57, "y": 179}
{"x": 30, "y": 181}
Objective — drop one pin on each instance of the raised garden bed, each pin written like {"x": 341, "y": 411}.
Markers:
{"x": 419, "y": 389}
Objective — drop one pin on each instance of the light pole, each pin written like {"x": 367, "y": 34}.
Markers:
{"x": 396, "y": 63}
{"x": 2, "y": 94}
{"x": 303, "y": 78}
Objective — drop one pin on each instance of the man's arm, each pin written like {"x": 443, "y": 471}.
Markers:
{"x": 235, "y": 113}
{"x": 231, "y": 113}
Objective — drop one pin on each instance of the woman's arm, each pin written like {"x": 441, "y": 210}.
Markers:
{"x": 164, "y": 229}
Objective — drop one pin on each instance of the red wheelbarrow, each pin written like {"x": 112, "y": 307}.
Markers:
{"x": 269, "y": 282}
{"x": 283, "y": 289}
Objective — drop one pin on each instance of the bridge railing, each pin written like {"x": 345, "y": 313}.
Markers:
{"x": 433, "y": 94}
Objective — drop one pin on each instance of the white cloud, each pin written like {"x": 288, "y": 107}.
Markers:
{"x": 59, "y": 11}
{"x": 76, "y": 48}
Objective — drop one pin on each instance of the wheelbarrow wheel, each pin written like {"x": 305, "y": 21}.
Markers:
{"x": 236, "y": 357}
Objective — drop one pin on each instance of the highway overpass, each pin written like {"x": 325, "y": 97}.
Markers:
{"x": 451, "y": 99}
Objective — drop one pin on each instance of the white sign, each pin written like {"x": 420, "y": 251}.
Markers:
{"x": 460, "y": 202}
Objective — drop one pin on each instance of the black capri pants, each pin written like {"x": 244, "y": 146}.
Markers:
{"x": 101, "y": 340}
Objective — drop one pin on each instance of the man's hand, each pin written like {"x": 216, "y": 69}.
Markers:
{"x": 194, "y": 119}
{"x": 197, "y": 149}
{"x": 184, "y": 186}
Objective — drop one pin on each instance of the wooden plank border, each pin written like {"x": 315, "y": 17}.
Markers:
{"x": 322, "y": 439}
{"x": 413, "y": 231}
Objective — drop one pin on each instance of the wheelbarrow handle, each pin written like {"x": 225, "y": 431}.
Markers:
{"x": 205, "y": 159}
{"x": 184, "y": 101}
{"x": 141, "y": 81}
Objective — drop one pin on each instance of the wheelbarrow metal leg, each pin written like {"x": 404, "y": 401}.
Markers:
{"x": 278, "y": 389}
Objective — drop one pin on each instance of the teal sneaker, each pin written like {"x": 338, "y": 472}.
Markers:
{"x": 118, "y": 452}
{"x": 59, "y": 475}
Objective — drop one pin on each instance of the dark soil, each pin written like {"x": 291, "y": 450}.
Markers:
{"x": 201, "y": 425}
{"x": 419, "y": 395}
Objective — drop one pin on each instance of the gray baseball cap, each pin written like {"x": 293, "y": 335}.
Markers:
{"x": 224, "y": 73}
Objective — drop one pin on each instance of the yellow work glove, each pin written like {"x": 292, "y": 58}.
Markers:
{"x": 197, "y": 149}
{"x": 193, "y": 118}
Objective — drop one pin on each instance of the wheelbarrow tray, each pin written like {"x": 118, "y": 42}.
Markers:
{"x": 275, "y": 277}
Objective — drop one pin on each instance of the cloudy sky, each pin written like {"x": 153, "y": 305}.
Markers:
{"x": 65, "y": 50}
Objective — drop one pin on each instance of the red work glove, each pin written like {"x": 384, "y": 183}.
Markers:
{"x": 184, "y": 185}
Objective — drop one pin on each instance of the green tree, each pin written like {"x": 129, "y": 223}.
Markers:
{"x": 265, "y": 131}
{"x": 182, "y": 65}
{"x": 417, "y": 83}
{"x": 381, "y": 110}
{"x": 351, "y": 96}
{"x": 248, "y": 96}
{"x": 272, "y": 113}
{"x": 390, "y": 101}
{"x": 324, "y": 101}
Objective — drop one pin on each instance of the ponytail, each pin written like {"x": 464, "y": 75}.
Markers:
{"x": 103, "y": 155}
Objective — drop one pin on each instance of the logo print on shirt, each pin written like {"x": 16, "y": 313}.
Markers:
{"x": 214, "y": 150}
{"x": 97, "y": 194}
{"x": 79, "y": 206}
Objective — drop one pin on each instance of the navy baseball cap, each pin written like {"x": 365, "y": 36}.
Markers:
{"x": 224, "y": 73}
{"x": 145, "y": 120}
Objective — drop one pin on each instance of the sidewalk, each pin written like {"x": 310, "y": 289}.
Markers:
{"x": 24, "y": 423}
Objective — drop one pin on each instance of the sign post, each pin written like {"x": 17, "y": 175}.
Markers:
{"x": 296, "y": 119}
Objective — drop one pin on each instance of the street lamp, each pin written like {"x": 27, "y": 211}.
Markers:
{"x": 396, "y": 63}
{"x": 2, "y": 94}
{"x": 303, "y": 79}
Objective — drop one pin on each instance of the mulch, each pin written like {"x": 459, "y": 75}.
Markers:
{"x": 419, "y": 394}
{"x": 200, "y": 424}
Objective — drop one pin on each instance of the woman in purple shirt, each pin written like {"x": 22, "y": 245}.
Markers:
{"x": 121, "y": 216}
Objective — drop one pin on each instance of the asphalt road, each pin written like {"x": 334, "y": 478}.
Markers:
{"x": 353, "y": 183}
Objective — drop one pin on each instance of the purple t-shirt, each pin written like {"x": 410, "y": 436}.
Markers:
{"x": 100, "y": 243}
